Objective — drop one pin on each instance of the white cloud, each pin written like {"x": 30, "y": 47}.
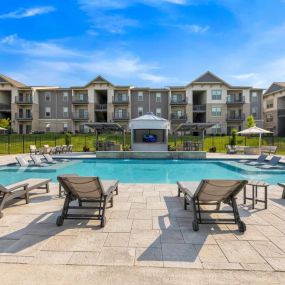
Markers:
{"x": 192, "y": 28}
{"x": 15, "y": 44}
{"x": 26, "y": 13}
{"x": 46, "y": 63}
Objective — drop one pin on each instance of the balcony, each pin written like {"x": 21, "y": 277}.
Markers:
{"x": 80, "y": 117}
{"x": 121, "y": 101}
{"x": 5, "y": 108}
{"x": 24, "y": 100}
{"x": 199, "y": 108}
{"x": 76, "y": 100}
{"x": 178, "y": 118}
{"x": 235, "y": 118}
{"x": 182, "y": 101}
{"x": 120, "y": 116}
{"x": 101, "y": 107}
{"x": 24, "y": 117}
{"x": 235, "y": 100}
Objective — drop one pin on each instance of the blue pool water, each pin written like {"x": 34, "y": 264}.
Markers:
{"x": 145, "y": 171}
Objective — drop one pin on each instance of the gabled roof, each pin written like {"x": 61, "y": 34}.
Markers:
{"x": 99, "y": 79}
{"x": 275, "y": 86}
{"x": 6, "y": 79}
{"x": 209, "y": 77}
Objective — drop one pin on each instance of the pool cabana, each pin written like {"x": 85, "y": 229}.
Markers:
{"x": 149, "y": 133}
{"x": 193, "y": 128}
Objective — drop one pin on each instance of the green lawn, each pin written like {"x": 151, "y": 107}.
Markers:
{"x": 20, "y": 143}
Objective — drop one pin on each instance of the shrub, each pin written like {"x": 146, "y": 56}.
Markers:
{"x": 67, "y": 138}
{"x": 234, "y": 137}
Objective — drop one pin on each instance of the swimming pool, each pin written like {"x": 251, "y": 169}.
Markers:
{"x": 144, "y": 171}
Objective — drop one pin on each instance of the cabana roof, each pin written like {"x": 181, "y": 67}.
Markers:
{"x": 105, "y": 127}
{"x": 194, "y": 127}
{"x": 149, "y": 121}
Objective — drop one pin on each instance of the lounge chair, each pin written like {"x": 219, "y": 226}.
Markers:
{"x": 34, "y": 150}
{"x": 283, "y": 192}
{"x": 269, "y": 149}
{"x": 86, "y": 190}
{"x": 37, "y": 160}
{"x": 49, "y": 159}
{"x": 272, "y": 164}
{"x": 20, "y": 189}
{"x": 212, "y": 192}
{"x": 231, "y": 149}
{"x": 260, "y": 159}
{"x": 23, "y": 162}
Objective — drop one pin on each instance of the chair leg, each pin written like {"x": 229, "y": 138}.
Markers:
{"x": 47, "y": 187}
{"x": 79, "y": 203}
{"x": 195, "y": 223}
{"x": 103, "y": 218}
{"x": 179, "y": 191}
{"x": 4, "y": 198}
{"x": 117, "y": 190}
{"x": 112, "y": 201}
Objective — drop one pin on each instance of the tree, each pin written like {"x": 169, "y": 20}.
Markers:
{"x": 234, "y": 137}
{"x": 250, "y": 122}
{"x": 67, "y": 138}
{"x": 5, "y": 123}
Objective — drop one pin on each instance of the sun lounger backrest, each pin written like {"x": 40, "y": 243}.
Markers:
{"x": 36, "y": 159}
{"x": 48, "y": 157}
{"x": 274, "y": 160}
{"x": 262, "y": 158}
{"x": 218, "y": 190}
{"x": 22, "y": 161}
{"x": 82, "y": 187}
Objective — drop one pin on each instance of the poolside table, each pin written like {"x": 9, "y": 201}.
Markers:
{"x": 256, "y": 185}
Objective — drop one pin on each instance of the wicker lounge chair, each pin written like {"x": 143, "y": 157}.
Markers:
{"x": 86, "y": 190}
{"x": 260, "y": 159}
{"x": 272, "y": 164}
{"x": 20, "y": 189}
{"x": 37, "y": 160}
{"x": 212, "y": 192}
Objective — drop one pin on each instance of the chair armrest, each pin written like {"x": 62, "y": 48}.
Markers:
{"x": 17, "y": 187}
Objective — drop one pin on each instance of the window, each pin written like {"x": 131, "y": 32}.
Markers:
{"x": 140, "y": 96}
{"x": 158, "y": 112}
{"x": 47, "y": 112}
{"x": 65, "y": 96}
{"x": 254, "y": 112}
{"x": 269, "y": 118}
{"x": 47, "y": 96}
{"x": 217, "y": 129}
{"x": 81, "y": 97}
{"x": 269, "y": 104}
{"x": 216, "y": 94}
{"x": 65, "y": 127}
{"x": 65, "y": 112}
{"x": 48, "y": 127}
{"x": 216, "y": 111}
{"x": 158, "y": 97}
{"x": 140, "y": 111}
{"x": 177, "y": 98}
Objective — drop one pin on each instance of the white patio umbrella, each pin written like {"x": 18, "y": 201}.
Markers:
{"x": 254, "y": 131}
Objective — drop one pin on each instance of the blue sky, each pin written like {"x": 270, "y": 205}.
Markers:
{"x": 142, "y": 42}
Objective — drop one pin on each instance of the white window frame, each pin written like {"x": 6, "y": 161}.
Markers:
{"x": 65, "y": 112}
{"x": 269, "y": 103}
{"x": 65, "y": 96}
{"x": 140, "y": 96}
{"x": 158, "y": 97}
{"x": 216, "y": 96}
{"x": 47, "y": 96}
{"x": 47, "y": 127}
{"x": 140, "y": 111}
{"x": 65, "y": 127}
{"x": 47, "y": 110}
{"x": 158, "y": 113}
{"x": 215, "y": 112}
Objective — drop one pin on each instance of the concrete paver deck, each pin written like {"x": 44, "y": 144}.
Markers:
{"x": 148, "y": 239}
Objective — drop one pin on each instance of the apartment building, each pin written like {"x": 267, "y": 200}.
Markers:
{"x": 208, "y": 98}
{"x": 274, "y": 108}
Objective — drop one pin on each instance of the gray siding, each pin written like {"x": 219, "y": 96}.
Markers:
{"x": 136, "y": 103}
{"x": 163, "y": 104}
{"x": 56, "y": 104}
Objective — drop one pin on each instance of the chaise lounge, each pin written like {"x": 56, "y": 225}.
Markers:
{"x": 86, "y": 190}
{"x": 212, "y": 192}
{"x": 21, "y": 189}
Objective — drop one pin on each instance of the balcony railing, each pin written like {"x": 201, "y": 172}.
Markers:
{"x": 79, "y": 117}
{"x": 120, "y": 116}
{"x": 101, "y": 107}
{"x": 240, "y": 117}
{"x": 235, "y": 100}
{"x": 78, "y": 100}
{"x": 177, "y": 117}
{"x": 24, "y": 100}
{"x": 118, "y": 100}
{"x": 199, "y": 108}
{"x": 182, "y": 101}
{"x": 24, "y": 117}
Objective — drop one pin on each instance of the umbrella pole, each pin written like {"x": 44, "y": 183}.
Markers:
{"x": 259, "y": 140}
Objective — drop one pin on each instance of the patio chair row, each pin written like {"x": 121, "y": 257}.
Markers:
{"x": 233, "y": 149}
{"x": 46, "y": 149}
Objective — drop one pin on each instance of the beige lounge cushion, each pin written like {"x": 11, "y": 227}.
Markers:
{"x": 188, "y": 187}
{"x": 33, "y": 183}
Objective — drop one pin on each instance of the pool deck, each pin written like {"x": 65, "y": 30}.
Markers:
{"x": 148, "y": 239}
